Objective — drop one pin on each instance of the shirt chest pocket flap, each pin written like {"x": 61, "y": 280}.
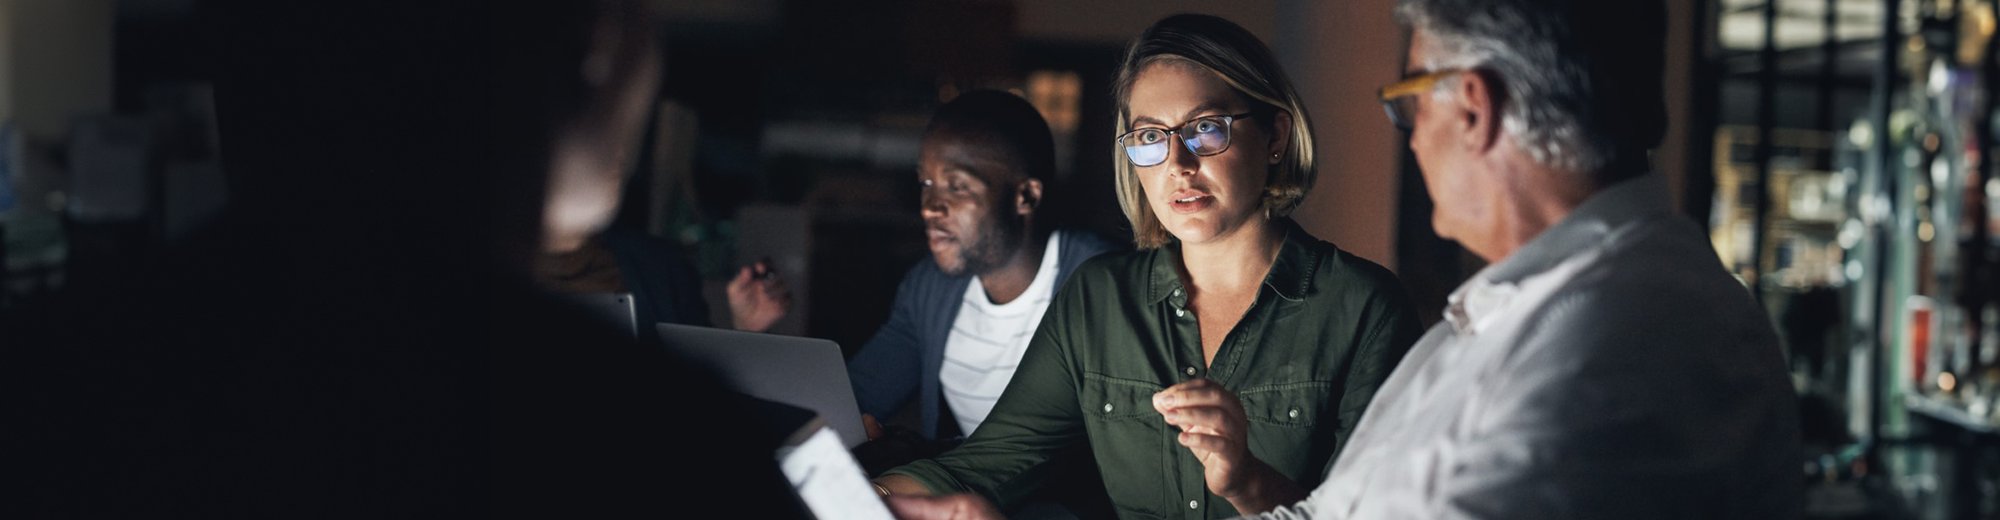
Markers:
{"x": 1111, "y": 398}
{"x": 1286, "y": 404}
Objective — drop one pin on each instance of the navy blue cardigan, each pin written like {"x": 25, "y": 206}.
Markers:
{"x": 903, "y": 359}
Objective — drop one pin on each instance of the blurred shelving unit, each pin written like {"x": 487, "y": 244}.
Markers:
{"x": 1851, "y": 194}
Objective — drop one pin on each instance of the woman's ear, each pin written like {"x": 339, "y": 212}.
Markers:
{"x": 1281, "y": 135}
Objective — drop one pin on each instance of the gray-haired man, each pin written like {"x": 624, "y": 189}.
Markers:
{"x": 1604, "y": 365}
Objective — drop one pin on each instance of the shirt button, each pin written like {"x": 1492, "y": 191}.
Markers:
{"x": 1190, "y": 371}
{"x": 1180, "y": 313}
{"x": 1294, "y": 413}
{"x": 1194, "y": 505}
{"x": 1107, "y": 407}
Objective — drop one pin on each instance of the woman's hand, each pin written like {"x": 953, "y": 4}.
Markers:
{"x": 1214, "y": 427}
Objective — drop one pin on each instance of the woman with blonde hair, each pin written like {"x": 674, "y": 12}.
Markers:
{"x": 1218, "y": 369}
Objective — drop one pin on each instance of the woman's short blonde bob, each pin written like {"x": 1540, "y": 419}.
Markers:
{"x": 1240, "y": 60}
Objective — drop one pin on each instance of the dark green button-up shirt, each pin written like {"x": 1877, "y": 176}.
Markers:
{"x": 1325, "y": 330}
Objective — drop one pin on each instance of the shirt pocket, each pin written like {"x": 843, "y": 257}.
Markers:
{"x": 1107, "y": 398}
{"x": 1127, "y": 438}
{"x": 1291, "y": 427}
{"x": 1295, "y": 405}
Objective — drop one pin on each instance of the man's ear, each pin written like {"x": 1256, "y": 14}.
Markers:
{"x": 1028, "y": 196}
{"x": 1477, "y": 122}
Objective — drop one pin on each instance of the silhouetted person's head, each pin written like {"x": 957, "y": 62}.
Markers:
{"x": 605, "y": 95}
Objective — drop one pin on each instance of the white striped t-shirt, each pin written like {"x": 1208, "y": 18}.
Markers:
{"x": 987, "y": 340}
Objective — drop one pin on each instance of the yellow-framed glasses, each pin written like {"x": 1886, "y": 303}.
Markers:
{"x": 1399, "y": 98}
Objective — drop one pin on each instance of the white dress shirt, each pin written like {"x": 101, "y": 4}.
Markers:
{"x": 1609, "y": 368}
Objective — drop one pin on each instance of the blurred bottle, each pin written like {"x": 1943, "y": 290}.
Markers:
{"x": 1920, "y": 340}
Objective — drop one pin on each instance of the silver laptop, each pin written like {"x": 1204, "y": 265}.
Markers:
{"x": 808, "y": 373}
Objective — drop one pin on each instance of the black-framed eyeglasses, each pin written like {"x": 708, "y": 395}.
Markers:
{"x": 1205, "y": 136}
{"x": 1399, "y": 99}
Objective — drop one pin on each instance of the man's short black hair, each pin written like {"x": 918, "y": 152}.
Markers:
{"x": 1006, "y": 121}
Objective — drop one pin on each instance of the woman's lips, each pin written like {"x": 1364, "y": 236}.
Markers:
{"x": 1189, "y": 201}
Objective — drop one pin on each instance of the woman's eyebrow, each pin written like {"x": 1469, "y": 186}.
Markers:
{"x": 1205, "y": 107}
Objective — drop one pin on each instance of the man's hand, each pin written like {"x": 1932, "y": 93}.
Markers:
{"x": 758, "y": 298}
{"x": 963, "y": 506}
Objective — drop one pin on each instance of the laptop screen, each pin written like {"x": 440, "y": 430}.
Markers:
{"x": 804, "y": 372}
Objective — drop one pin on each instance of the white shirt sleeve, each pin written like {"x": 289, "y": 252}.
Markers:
{"x": 1303, "y": 510}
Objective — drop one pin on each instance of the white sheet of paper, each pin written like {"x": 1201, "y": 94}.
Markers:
{"x": 829, "y": 481}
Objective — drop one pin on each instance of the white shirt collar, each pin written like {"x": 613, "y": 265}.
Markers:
{"x": 1470, "y": 307}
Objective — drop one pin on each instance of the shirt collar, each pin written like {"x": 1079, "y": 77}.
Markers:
{"x": 1587, "y": 227}
{"x": 1291, "y": 275}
